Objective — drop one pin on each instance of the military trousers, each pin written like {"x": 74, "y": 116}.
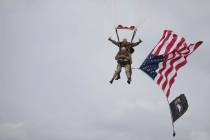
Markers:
{"x": 128, "y": 70}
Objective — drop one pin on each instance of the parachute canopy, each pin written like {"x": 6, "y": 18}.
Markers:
{"x": 132, "y": 28}
{"x": 126, "y": 27}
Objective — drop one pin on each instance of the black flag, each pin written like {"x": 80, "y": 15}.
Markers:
{"x": 178, "y": 107}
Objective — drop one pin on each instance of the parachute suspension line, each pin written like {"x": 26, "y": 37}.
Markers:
{"x": 174, "y": 133}
{"x": 134, "y": 33}
{"x": 117, "y": 35}
{"x": 135, "y": 68}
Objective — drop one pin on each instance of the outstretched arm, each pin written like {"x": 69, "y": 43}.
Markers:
{"x": 113, "y": 41}
{"x": 137, "y": 43}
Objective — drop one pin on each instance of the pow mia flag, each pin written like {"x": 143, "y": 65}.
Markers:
{"x": 178, "y": 107}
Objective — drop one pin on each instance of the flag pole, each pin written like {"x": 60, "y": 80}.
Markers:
{"x": 174, "y": 133}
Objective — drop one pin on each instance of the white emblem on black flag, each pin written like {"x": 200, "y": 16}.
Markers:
{"x": 178, "y": 107}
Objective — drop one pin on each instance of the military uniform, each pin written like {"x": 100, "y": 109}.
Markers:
{"x": 124, "y": 58}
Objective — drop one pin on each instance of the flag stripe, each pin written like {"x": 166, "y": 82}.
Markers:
{"x": 182, "y": 48}
{"x": 163, "y": 67}
{"x": 166, "y": 43}
{"x": 180, "y": 43}
{"x": 165, "y": 74}
{"x": 170, "y": 45}
{"x": 173, "y": 78}
{"x": 172, "y": 73}
{"x": 170, "y": 69}
{"x": 163, "y": 36}
{"x": 197, "y": 45}
{"x": 159, "y": 47}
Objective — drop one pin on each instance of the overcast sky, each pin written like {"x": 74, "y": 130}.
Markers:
{"x": 55, "y": 64}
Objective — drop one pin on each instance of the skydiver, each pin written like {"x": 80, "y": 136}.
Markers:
{"x": 124, "y": 58}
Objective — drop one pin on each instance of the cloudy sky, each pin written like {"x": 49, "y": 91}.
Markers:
{"x": 55, "y": 64}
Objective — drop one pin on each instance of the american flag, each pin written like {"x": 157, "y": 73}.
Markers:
{"x": 167, "y": 57}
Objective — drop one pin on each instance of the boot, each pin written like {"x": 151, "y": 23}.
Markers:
{"x": 128, "y": 74}
{"x": 129, "y": 81}
{"x": 118, "y": 77}
{"x": 115, "y": 75}
{"x": 111, "y": 81}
